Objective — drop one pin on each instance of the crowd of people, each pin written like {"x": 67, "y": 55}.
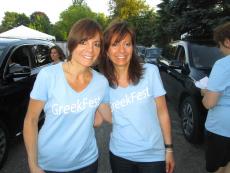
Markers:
{"x": 126, "y": 93}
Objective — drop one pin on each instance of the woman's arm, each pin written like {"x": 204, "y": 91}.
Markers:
{"x": 30, "y": 133}
{"x": 164, "y": 119}
{"x": 98, "y": 119}
{"x": 105, "y": 112}
{"x": 210, "y": 98}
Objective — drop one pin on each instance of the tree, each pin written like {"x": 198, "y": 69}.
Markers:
{"x": 101, "y": 19}
{"x": 71, "y": 15}
{"x": 40, "y": 22}
{"x": 13, "y": 19}
{"x": 144, "y": 27}
{"x": 199, "y": 18}
{"x": 75, "y": 13}
{"x": 78, "y": 2}
{"x": 57, "y": 31}
{"x": 196, "y": 18}
{"x": 124, "y": 9}
{"x": 139, "y": 15}
{"x": 162, "y": 33}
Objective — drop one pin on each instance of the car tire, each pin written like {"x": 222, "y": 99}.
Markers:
{"x": 191, "y": 120}
{"x": 3, "y": 144}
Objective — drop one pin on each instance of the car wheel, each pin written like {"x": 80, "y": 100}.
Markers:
{"x": 3, "y": 145}
{"x": 191, "y": 120}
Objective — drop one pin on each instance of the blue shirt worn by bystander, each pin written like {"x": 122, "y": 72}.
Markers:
{"x": 219, "y": 81}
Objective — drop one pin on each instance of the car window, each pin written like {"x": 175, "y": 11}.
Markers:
{"x": 204, "y": 56}
{"x": 2, "y": 50}
{"x": 169, "y": 51}
{"x": 140, "y": 50}
{"x": 20, "y": 56}
{"x": 181, "y": 54}
{"x": 150, "y": 53}
{"x": 153, "y": 52}
{"x": 41, "y": 53}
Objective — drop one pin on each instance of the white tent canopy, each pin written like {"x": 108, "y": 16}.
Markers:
{"x": 26, "y": 33}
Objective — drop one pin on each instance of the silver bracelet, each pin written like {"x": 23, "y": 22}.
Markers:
{"x": 169, "y": 150}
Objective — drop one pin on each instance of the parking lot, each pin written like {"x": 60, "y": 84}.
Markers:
{"x": 189, "y": 158}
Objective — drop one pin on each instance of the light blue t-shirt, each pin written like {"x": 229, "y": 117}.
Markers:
{"x": 218, "y": 119}
{"x": 66, "y": 141}
{"x": 136, "y": 133}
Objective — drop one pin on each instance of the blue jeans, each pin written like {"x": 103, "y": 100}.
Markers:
{"x": 88, "y": 169}
{"x": 121, "y": 165}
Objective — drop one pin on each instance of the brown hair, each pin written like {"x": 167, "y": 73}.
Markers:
{"x": 135, "y": 70}
{"x": 221, "y": 33}
{"x": 82, "y": 30}
{"x": 60, "y": 52}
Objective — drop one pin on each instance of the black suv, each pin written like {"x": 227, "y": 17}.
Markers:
{"x": 180, "y": 65}
{"x": 20, "y": 61}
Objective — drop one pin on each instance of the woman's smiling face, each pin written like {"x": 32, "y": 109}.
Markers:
{"x": 87, "y": 51}
{"x": 120, "y": 52}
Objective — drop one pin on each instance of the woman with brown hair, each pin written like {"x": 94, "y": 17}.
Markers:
{"x": 141, "y": 135}
{"x": 69, "y": 94}
{"x": 56, "y": 54}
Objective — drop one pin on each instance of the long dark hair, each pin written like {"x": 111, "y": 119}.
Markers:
{"x": 135, "y": 70}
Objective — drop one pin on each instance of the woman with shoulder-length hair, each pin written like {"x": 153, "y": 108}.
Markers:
{"x": 56, "y": 54}
{"x": 70, "y": 95}
{"x": 141, "y": 135}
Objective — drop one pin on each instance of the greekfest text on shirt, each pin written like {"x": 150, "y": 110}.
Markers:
{"x": 78, "y": 106}
{"x": 129, "y": 99}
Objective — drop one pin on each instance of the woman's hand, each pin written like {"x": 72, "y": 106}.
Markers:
{"x": 169, "y": 161}
{"x": 36, "y": 169}
{"x": 203, "y": 91}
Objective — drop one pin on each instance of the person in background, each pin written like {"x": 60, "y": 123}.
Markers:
{"x": 217, "y": 101}
{"x": 56, "y": 54}
{"x": 70, "y": 95}
{"x": 141, "y": 139}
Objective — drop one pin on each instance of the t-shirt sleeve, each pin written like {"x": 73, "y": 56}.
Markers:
{"x": 218, "y": 78}
{"x": 40, "y": 88}
{"x": 157, "y": 85}
{"x": 106, "y": 93}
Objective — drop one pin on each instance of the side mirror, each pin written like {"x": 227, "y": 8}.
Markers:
{"x": 175, "y": 64}
{"x": 17, "y": 71}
